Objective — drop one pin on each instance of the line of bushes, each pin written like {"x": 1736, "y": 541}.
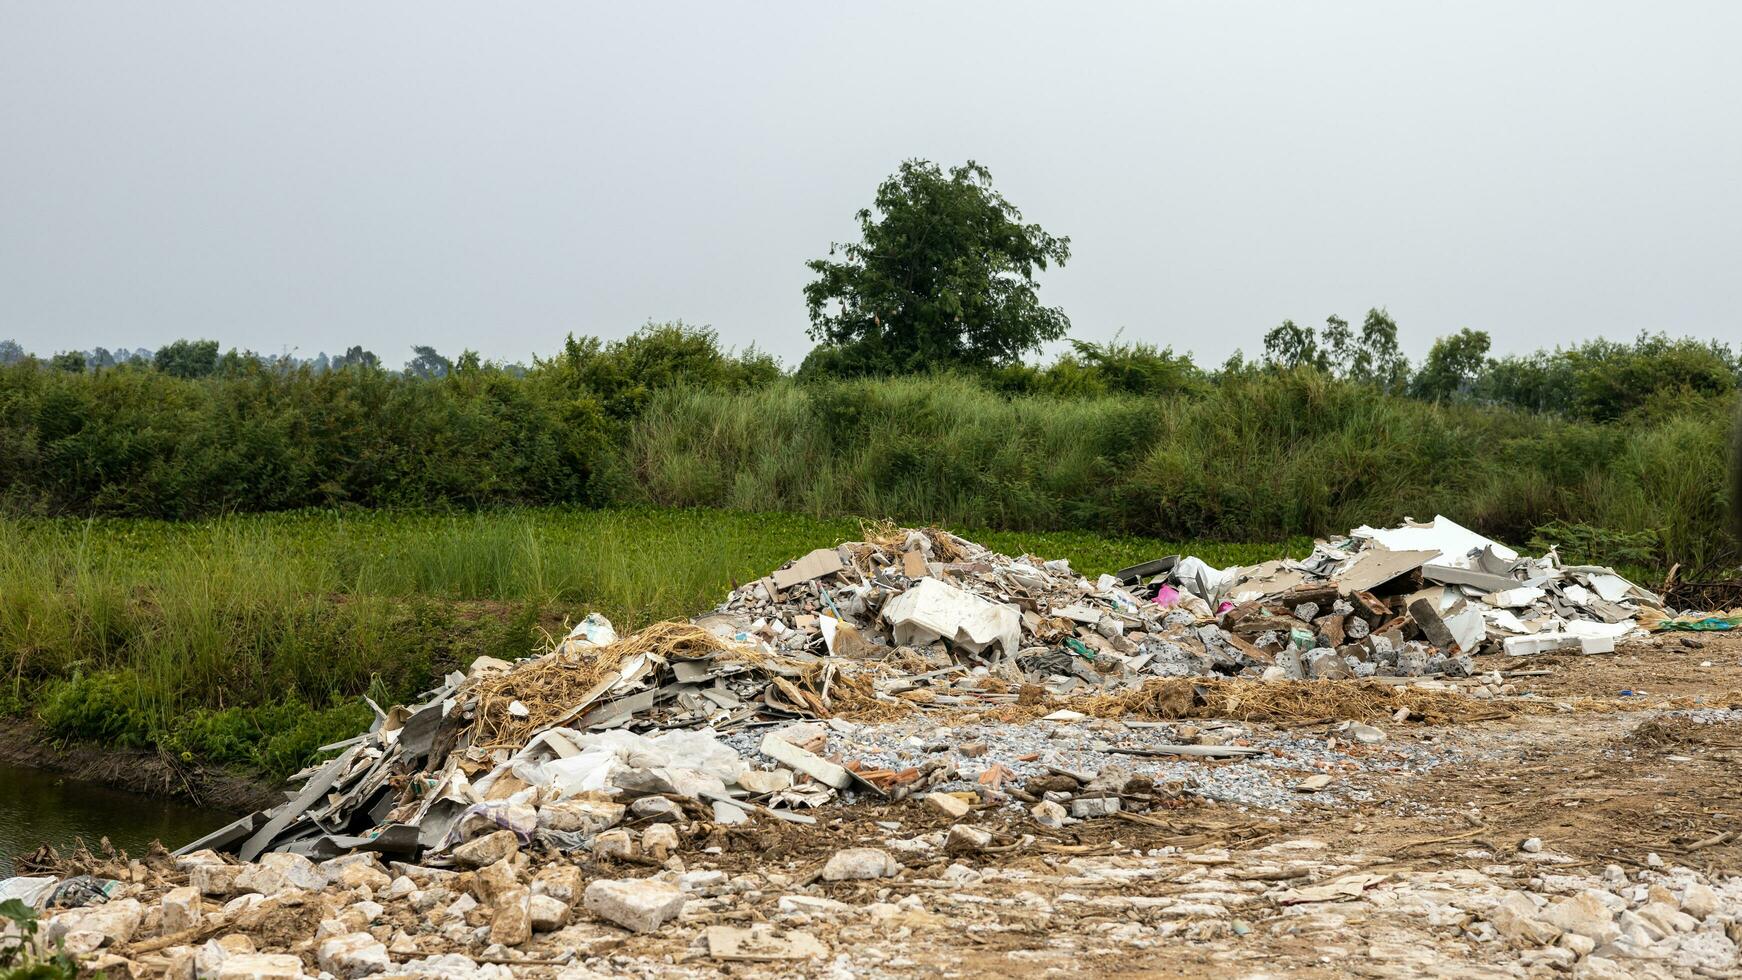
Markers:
{"x": 1247, "y": 459}
{"x": 666, "y": 417}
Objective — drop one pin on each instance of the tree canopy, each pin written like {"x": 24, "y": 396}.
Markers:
{"x": 943, "y": 276}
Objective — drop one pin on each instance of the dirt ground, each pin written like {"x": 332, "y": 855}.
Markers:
{"x": 1598, "y": 776}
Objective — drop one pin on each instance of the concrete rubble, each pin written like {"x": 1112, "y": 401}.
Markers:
{"x": 1513, "y": 914}
{"x": 549, "y": 747}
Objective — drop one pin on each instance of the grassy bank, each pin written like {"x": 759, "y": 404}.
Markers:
{"x": 249, "y": 639}
{"x": 1250, "y": 459}
{"x": 1251, "y": 455}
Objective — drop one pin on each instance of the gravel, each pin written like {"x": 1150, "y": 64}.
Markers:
{"x": 1260, "y": 782}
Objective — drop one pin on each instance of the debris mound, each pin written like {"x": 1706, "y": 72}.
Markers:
{"x": 552, "y": 748}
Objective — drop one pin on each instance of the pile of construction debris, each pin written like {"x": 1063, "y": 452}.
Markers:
{"x": 1407, "y": 601}
{"x": 556, "y": 747}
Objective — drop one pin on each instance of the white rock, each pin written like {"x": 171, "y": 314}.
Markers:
{"x": 362, "y": 876}
{"x": 181, "y": 910}
{"x": 367, "y": 910}
{"x": 580, "y": 816}
{"x": 1585, "y": 914}
{"x": 114, "y": 921}
{"x": 260, "y": 966}
{"x": 640, "y": 905}
{"x": 618, "y": 843}
{"x": 657, "y": 809}
{"x": 1579, "y": 945}
{"x": 953, "y": 807}
{"x": 961, "y": 874}
{"x": 1515, "y": 917}
{"x": 1699, "y": 900}
{"x": 701, "y": 881}
{"x": 562, "y": 883}
{"x": 1667, "y": 919}
{"x": 488, "y": 849}
{"x": 1638, "y": 930}
{"x": 492, "y": 880}
{"x": 241, "y": 902}
{"x": 1551, "y": 956}
{"x": 1531, "y": 845}
{"x": 215, "y": 879}
{"x": 727, "y": 813}
{"x": 812, "y": 905}
{"x": 447, "y": 965}
{"x": 83, "y": 942}
{"x": 859, "y": 863}
{"x": 280, "y": 870}
{"x": 659, "y": 840}
{"x": 1085, "y": 808}
{"x": 1049, "y": 814}
{"x": 548, "y": 913}
{"x": 760, "y": 781}
{"x": 1603, "y": 968}
{"x": 1366, "y": 734}
{"x": 356, "y": 954}
{"x": 963, "y": 837}
{"x": 511, "y": 916}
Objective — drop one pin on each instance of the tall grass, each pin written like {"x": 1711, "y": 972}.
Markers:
{"x": 1247, "y": 459}
{"x": 250, "y": 638}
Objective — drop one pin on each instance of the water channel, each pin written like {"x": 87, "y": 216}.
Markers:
{"x": 40, "y": 807}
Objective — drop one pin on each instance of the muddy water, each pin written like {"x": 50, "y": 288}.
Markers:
{"x": 38, "y": 807}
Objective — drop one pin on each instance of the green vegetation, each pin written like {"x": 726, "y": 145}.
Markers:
{"x": 1116, "y": 438}
{"x": 943, "y": 277}
{"x": 1258, "y": 457}
{"x": 250, "y": 639}
{"x": 18, "y": 958}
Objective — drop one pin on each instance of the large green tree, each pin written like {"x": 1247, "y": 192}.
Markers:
{"x": 943, "y": 276}
{"x": 1452, "y": 365}
{"x": 187, "y": 358}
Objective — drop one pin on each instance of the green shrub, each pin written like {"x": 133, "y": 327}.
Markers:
{"x": 18, "y": 959}
{"x": 100, "y": 707}
{"x": 1257, "y": 456}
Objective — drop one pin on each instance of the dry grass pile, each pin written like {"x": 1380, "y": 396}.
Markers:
{"x": 1670, "y": 732}
{"x": 890, "y": 536}
{"x": 1287, "y": 701}
{"x": 551, "y": 686}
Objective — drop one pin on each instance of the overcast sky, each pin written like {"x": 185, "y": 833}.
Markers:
{"x": 493, "y": 176}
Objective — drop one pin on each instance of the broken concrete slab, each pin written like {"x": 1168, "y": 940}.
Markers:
{"x": 809, "y": 763}
{"x": 821, "y": 562}
{"x": 1375, "y": 567}
{"x": 764, "y": 945}
{"x": 639, "y": 905}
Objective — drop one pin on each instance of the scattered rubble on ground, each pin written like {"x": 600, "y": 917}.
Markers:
{"x": 524, "y": 818}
